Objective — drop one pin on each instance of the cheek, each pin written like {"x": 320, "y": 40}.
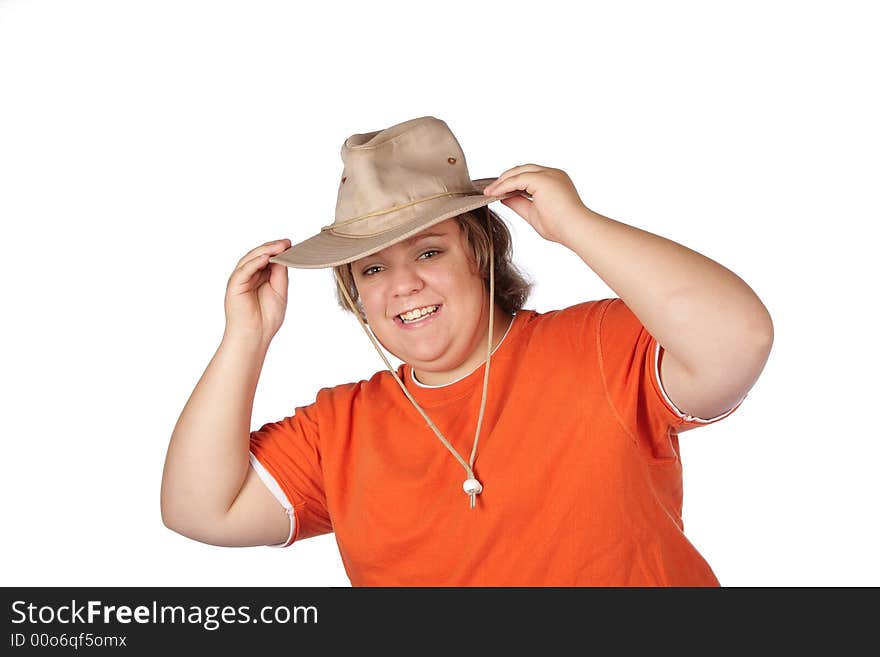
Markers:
{"x": 452, "y": 279}
{"x": 373, "y": 305}
{"x": 472, "y": 283}
{"x": 452, "y": 282}
{"x": 374, "y": 301}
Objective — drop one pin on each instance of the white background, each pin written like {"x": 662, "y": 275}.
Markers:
{"x": 146, "y": 146}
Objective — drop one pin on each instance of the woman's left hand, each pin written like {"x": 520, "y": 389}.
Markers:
{"x": 554, "y": 205}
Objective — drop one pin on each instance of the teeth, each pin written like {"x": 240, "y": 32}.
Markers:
{"x": 417, "y": 313}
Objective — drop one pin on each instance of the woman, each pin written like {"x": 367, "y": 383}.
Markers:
{"x": 511, "y": 447}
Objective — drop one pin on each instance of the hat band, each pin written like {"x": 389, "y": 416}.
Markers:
{"x": 347, "y": 222}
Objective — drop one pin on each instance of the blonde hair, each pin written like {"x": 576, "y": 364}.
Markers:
{"x": 511, "y": 286}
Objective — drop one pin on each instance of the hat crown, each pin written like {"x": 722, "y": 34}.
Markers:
{"x": 398, "y": 167}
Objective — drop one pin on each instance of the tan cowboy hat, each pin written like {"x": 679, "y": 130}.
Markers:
{"x": 395, "y": 183}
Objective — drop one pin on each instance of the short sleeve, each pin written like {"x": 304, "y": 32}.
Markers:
{"x": 629, "y": 359}
{"x": 286, "y": 455}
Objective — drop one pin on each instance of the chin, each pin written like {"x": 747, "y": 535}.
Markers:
{"x": 424, "y": 360}
{"x": 406, "y": 353}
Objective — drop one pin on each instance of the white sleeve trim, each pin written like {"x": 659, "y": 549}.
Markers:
{"x": 684, "y": 416}
{"x": 275, "y": 489}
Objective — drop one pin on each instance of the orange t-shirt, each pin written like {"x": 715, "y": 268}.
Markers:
{"x": 578, "y": 456}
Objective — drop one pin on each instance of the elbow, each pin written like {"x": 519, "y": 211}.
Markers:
{"x": 756, "y": 346}
{"x": 770, "y": 331}
{"x": 178, "y": 510}
{"x": 176, "y": 518}
{"x": 761, "y": 329}
{"x": 757, "y": 328}
{"x": 166, "y": 507}
{"x": 193, "y": 524}
{"x": 172, "y": 520}
{"x": 189, "y": 529}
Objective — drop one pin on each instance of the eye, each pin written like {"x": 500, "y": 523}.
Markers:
{"x": 429, "y": 251}
{"x": 369, "y": 270}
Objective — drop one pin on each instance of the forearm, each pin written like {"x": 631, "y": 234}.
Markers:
{"x": 207, "y": 457}
{"x": 692, "y": 305}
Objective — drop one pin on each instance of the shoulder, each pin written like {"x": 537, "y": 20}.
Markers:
{"x": 573, "y": 313}
{"x": 619, "y": 327}
{"x": 366, "y": 390}
{"x": 573, "y": 321}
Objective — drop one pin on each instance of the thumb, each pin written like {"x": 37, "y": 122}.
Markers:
{"x": 278, "y": 278}
{"x": 519, "y": 204}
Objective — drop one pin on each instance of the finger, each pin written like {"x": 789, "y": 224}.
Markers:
{"x": 242, "y": 275}
{"x": 516, "y": 170}
{"x": 493, "y": 187}
{"x": 519, "y": 204}
{"x": 262, "y": 276}
{"x": 522, "y": 181}
{"x": 275, "y": 247}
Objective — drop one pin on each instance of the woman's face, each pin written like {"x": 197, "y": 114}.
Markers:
{"x": 433, "y": 269}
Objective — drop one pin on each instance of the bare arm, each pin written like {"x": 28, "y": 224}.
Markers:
{"x": 716, "y": 332}
{"x": 207, "y": 461}
{"x": 209, "y": 491}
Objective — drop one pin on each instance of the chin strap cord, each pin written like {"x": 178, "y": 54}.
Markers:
{"x": 472, "y": 486}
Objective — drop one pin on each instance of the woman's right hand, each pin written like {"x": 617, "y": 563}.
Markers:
{"x": 256, "y": 294}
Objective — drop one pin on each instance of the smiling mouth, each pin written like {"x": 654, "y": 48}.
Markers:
{"x": 414, "y": 318}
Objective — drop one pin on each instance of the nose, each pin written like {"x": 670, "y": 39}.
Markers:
{"x": 405, "y": 281}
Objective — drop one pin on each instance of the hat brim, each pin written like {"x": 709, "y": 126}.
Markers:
{"x": 327, "y": 249}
